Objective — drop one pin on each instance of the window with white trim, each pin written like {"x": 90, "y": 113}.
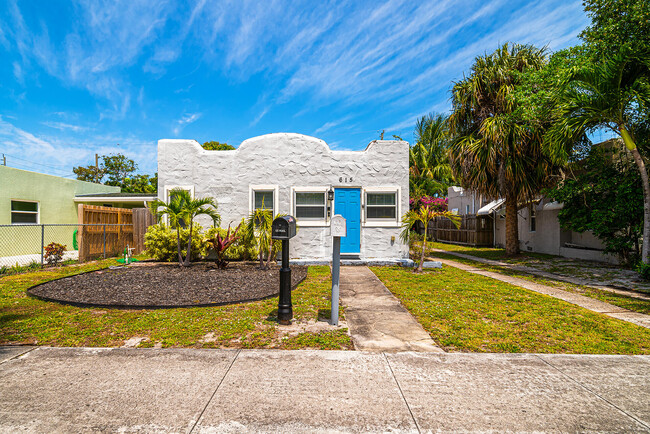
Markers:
{"x": 310, "y": 205}
{"x": 533, "y": 219}
{"x": 24, "y": 212}
{"x": 381, "y": 205}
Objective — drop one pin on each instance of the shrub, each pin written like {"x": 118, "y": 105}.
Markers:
{"x": 644, "y": 270}
{"x": 54, "y": 253}
{"x": 160, "y": 242}
{"x": 241, "y": 250}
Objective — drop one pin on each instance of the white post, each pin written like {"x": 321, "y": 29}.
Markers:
{"x": 336, "y": 267}
{"x": 337, "y": 230}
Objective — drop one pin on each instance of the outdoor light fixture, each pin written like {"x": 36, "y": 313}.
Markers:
{"x": 330, "y": 194}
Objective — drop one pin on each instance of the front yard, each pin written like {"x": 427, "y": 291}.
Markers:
{"x": 466, "y": 312}
{"x": 25, "y": 320}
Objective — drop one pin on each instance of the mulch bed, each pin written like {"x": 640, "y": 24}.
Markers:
{"x": 162, "y": 285}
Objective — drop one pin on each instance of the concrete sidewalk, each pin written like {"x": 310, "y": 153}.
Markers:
{"x": 184, "y": 390}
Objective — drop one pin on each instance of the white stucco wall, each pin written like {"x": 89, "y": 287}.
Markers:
{"x": 284, "y": 161}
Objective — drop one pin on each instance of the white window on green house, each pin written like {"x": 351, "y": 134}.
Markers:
{"x": 381, "y": 206}
{"x": 24, "y": 212}
{"x": 263, "y": 199}
{"x": 310, "y": 205}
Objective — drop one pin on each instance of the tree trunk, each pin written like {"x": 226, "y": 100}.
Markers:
{"x": 646, "y": 204}
{"x": 188, "y": 257}
{"x": 178, "y": 246}
{"x": 512, "y": 225}
{"x": 424, "y": 246}
{"x": 268, "y": 258}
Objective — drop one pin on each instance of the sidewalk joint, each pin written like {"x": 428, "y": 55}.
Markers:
{"x": 642, "y": 423}
{"x": 18, "y": 355}
{"x": 198, "y": 419}
{"x": 417, "y": 426}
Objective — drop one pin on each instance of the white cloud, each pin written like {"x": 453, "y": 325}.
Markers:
{"x": 62, "y": 126}
{"x": 185, "y": 120}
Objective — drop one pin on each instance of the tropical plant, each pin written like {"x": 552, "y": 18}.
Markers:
{"x": 258, "y": 231}
{"x": 423, "y": 216}
{"x": 603, "y": 194}
{"x": 430, "y": 172}
{"x": 612, "y": 95}
{"x": 182, "y": 210}
{"x": 222, "y": 244}
{"x": 496, "y": 151}
{"x": 216, "y": 146}
{"x": 435, "y": 203}
{"x": 54, "y": 253}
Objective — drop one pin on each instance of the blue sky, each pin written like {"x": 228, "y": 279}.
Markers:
{"x": 79, "y": 78}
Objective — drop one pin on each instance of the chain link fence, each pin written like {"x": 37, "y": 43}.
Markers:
{"x": 24, "y": 245}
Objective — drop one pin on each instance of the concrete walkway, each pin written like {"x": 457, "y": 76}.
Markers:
{"x": 64, "y": 390}
{"x": 552, "y": 276}
{"x": 577, "y": 299}
{"x": 376, "y": 319}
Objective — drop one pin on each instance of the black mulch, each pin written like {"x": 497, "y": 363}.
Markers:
{"x": 156, "y": 285}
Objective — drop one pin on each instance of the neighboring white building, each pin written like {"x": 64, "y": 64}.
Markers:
{"x": 539, "y": 227}
{"x": 297, "y": 175}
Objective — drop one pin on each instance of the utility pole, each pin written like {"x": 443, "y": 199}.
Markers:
{"x": 4, "y": 160}
{"x": 97, "y": 168}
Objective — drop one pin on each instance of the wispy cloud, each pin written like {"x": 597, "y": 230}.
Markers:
{"x": 185, "y": 120}
{"x": 62, "y": 126}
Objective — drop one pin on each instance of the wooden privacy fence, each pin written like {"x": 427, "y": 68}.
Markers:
{"x": 106, "y": 231}
{"x": 473, "y": 231}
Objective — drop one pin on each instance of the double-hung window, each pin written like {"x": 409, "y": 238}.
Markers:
{"x": 263, "y": 199}
{"x": 310, "y": 205}
{"x": 24, "y": 212}
{"x": 381, "y": 206}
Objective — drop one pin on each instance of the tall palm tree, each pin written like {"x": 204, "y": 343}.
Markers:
{"x": 182, "y": 210}
{"x": 494, "y": 152}
{"x": 615, "y": 95}
{"x": 429, "y": 163}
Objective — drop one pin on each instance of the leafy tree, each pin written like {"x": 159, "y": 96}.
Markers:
{"x": 182, "y": 210}
{"x": 423, "y": 216}
{"x": 216, "y": 146}
{"x": 430, "y": 172}
{"x": 119, "y": 171}
{"x": 613, "y": 94}
{"x": 496, "y": 150}
{"x": 616, "y": 25}
{"x": 604, "y": 195}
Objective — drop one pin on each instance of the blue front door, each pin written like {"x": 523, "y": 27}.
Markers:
{"x": 347, "y": 202}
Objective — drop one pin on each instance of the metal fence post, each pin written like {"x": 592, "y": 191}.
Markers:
{"x": 104, "y": 241}
{"x": 42, "y": 243}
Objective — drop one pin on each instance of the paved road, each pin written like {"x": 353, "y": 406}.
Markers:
{"x": 183, "y": 390}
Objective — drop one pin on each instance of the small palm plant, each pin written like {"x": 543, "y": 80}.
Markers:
{"x": 182, "y": 210}
{"x": 424, "y": 215}
{"x": 258, "y": 230}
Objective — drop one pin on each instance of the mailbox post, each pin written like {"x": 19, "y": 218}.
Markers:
{"x": 284, "y": 228}
{"x": 337, "y": 229}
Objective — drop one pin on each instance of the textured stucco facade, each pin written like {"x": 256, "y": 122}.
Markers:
{"x": 287, "y": 163}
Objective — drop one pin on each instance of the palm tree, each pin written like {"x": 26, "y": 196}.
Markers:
{"x": 615, "y": 95}
{"x": 182, "y": 210}
{"x": 494, "y": 152}
{"x": 429, "y": 164}
{"x": 424, "y": 215}
{"x": 258, "y": 230}
{"x": 174, "y": 212}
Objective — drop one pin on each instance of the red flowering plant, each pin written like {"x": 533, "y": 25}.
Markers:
{"x": 53, "y": 253}
{"x": 437, "y": 204}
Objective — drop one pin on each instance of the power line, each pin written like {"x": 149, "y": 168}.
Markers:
{"x": 34, "y": 162}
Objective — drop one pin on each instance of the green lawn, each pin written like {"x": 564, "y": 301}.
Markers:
{"x": 466, "y": 312}
{"x": 487, "y": 253}
{"x": 27, "y": 320}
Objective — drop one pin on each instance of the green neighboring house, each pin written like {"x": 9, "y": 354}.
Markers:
{"x": 28, "y": 197}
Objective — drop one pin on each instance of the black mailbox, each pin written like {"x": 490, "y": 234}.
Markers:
{"x": 283, "y": 228}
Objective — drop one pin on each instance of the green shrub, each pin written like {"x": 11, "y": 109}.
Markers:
{"x": 240, "y": 250}
{"x": 643, "y": 270}
{"x": 160, "y": 242}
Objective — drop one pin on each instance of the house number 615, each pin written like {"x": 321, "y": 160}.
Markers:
{"x": 345, "y": 179}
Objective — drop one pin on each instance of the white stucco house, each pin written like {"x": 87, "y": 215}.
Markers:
{"x": 301, "y": 176}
